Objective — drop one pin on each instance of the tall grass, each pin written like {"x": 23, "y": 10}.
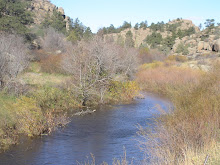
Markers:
{"x": 165, "y": 80}
{"x": 191, "y": 132}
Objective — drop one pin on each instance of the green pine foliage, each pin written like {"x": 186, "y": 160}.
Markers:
{"x": 87, "y": 34}
{"x": 154, "y": 39}
{"x": 55, "y": 21}
{"x": 136, "y": 27}
{"x": 14, "y": 17}
{"x": 157, "y": 27}
{"x": 181, "y": 48}
{"x": 78, "y": 31}
{"x": 129, "y": 42}
{"x": 143, "y": 25}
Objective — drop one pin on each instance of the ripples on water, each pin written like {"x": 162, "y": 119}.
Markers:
{"x": 103, "y": 133}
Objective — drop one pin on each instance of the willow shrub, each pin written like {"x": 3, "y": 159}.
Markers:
{"x": 30, "y": 119}
{"x": 55, "y": 98}
{"x": 7, "y": 121}
{"x": 123, "y": 91}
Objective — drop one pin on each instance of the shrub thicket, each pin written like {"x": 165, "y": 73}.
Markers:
{"x": 181, "y": 48}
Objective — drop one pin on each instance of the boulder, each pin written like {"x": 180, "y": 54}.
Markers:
{"x": 200, "y": 46}
{"x": 192, "y": 50}
{"x": 207, "y": 46}
{"x": 216, "y": 46}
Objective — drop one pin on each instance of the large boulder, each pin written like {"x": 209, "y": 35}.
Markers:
{"x": 207, "y": 46}
{"x": 216, "y": 46}
{"x": 200, "y": 46}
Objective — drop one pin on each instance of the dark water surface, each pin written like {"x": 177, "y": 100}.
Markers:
{"x": 104, "y": 134}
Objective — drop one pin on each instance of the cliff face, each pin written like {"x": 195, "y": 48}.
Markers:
{"x": 41, "y": 8}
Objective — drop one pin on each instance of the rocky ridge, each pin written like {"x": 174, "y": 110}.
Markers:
{"x": 201, "y": 42}
{"x": 42, "y": 8}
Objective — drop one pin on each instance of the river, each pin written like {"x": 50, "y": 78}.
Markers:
{"x": 105, "y": 134}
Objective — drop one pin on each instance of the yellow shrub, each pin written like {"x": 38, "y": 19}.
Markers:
{"x": 123, "y": 91}
{"x": 154, "y": 64}
{"x": 30, "y": 117}
{"x": 177, "y": 58}
{"x": 55, "y": 98}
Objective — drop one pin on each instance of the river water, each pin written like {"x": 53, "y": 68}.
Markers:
{"x": 105, "y": 133}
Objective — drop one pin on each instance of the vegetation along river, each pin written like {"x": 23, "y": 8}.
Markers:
{"x": 105, "y": 134}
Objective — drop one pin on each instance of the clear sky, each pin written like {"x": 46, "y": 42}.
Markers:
{"x": 100, "y": 13}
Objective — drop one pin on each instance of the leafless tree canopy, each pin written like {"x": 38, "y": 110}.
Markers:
{"x": 13, "y": 57}
{"x": 54, "y": 40}
{"x": 94, "y": 63}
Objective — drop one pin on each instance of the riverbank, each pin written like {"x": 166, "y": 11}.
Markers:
{"x": 190, "y": 133}
{"x": 106, "y": 134}
{"x": 42, "y": 103}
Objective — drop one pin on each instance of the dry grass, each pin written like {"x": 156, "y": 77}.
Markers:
{"x": 190, "y": 132}
{"x": 52, "y": 64}
{"x": 162, "y": 79}
{"x": 31, "y": 78}
{"x": 122, "y": 161}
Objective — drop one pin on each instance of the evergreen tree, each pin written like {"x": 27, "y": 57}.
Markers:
{"x": 143, "y": 25}
{"x": 136, "y": 26}
{"x": 76, "y": 31}
{"x": 125, "y": 25}
{"x": 87, "y": 34}
{"x": 14, "y": 17}
{"x": 55, "y": 21}
{"x": 154, "y": 39}
{"x": 200, "y": 26}
{"x": 180, "y": 34}
{"x": 73, "y": 36}
{"x": 111, "y": 29}
{"x": 210, "y": 23}
{"x": 129, "y": 42}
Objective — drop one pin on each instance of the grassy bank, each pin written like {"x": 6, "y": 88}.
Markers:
{"x": 191, "y": 132}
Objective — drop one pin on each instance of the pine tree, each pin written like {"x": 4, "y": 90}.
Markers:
{"x": 87, "y": 34}
{"x": 14, "y": 17}
{"x": 55, "y": 21}
{"x": 129, "y": 42}
{"x": 143, "y": 25}
{"x": 136, "y": 26}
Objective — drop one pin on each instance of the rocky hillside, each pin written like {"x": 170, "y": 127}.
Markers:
{"x": 204, "y": 42}
{"x": 176, "y": 35}
{"x": 42, "y": 8}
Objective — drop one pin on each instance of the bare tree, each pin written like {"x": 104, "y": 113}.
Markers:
{"x": 53, "y": 40}
{"x": 93, "y": 64}
{"x": 13, "y": 57}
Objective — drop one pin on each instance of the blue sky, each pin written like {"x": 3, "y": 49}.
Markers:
{"x": 100, "y": 13}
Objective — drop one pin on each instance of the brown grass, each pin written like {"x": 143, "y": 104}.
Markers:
{"x": 190, "y": 132}
{"x": 162, "y": 79}
{"x": 52, "y": 64}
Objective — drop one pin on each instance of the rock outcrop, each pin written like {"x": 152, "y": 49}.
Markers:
{"x": 140, "y": 34}
{"x": 42, "y": 8}
{"x": 216, "y": 46}
{"x": 202, "y": 45}
{"x": 202, "y": 42}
